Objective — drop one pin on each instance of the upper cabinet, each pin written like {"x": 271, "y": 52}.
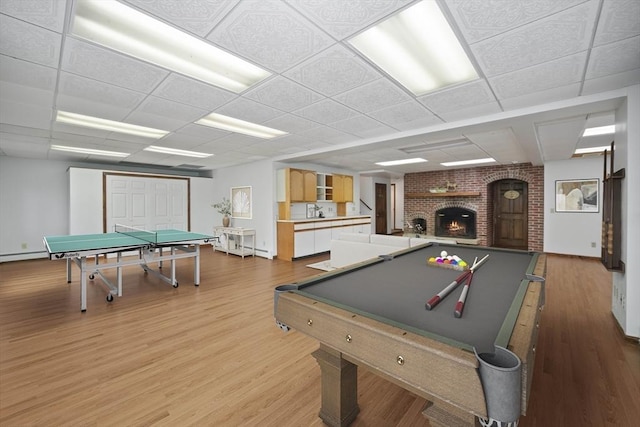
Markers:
{"x": 342, "y": 188}
{"x": 296, "y": 185}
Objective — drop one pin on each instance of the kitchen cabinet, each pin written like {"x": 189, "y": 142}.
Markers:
{"x": 342, "y": 188}
{"x": 308, "y": 237}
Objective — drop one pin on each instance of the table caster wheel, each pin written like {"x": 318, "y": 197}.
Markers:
{"x": 109, "y": 298}
{"x": 91, "y": 276}
{"x": 175, "y": 285}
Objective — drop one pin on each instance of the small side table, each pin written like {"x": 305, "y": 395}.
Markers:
{"x": 241, "y": 249}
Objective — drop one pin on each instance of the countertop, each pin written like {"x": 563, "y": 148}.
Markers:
{"x": 332, "y": 218}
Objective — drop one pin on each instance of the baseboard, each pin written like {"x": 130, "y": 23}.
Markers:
{"x": 628, "y": 338}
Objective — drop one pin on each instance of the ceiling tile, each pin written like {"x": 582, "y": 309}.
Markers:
{"x": 333, "y": 71}
{"x": 26, "y": 94}
{"x": 107, "y": 66}
{"x": 18, "y": 114}
{"x": 248, "y": 110}
{"x": 551, "y": 38}
{"x": 283, "y": 94}
{"x": 29, "y": 42}
{"x": 44, "y": 13}
{"x": 327, "y": 135}
{"x": 552, "y": 74}
{"x": 481, "y": 19}
{"x": 540, "y": 97}
{"x": 618, "y": 20}
{"x": 169, "y": 109}
{"x": 326, "y": 111}
{"x": 614, "y": 58}
{"x": 155, "y": 121}
{"x": 291, "y": 124}
{"x": 192, "y": 92}
{"x": 362, "y": 126}
{"x": 373, "y": 96}
{"x": 92, "y": 90}
{"x": 473, "y": 111}
{"x": 27, "y": 73}
{"x": 458, "y": 97}
{"x": 408, "y": 115}
{"x": 270, "y": 34}
{"x": 612, "y": 82}
{"x": 195, "y": 16}
{"x": 343, "y": 18}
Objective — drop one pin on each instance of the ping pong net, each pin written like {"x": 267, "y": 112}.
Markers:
{"x": 138, "y": 233}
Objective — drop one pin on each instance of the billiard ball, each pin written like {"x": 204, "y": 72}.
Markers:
{"x": 443, "y": 254}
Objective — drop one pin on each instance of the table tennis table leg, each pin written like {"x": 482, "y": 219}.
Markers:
{"x": 173, "y": 267}
{"x": 83, "y": 284}
{"x": 196, "y": 267}
{"x": 68, "y": 270}
{"x": 119, "y": 273}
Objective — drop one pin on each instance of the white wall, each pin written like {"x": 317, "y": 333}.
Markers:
{"x": 35, "y": 201}
{"x": 572, "y": 233}
{"x": 625, "y": 298}
{"x": 260, "y": 176}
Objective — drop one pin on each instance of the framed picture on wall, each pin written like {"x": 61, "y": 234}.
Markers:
{"x": 241, "y": 202}
{"x": 577, "y": 195}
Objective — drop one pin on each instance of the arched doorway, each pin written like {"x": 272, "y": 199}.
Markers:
{"x": 510, "y": 214}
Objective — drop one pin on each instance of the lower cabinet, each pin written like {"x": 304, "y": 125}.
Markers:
{"x": 300, "y": 239}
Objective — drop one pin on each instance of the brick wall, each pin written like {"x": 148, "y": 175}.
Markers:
{"x": 477, "y": 179}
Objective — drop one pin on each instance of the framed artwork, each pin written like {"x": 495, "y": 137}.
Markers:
{"x": 577, "y": 195}
{"x": 241, "y": 202}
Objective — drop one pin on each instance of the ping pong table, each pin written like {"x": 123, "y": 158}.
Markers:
{"x": 148, "y": 244}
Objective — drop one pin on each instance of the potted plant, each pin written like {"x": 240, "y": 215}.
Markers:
{"x": 224, "y": 208}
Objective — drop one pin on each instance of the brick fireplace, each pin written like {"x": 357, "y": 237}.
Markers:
{"x": 475, "y": 186}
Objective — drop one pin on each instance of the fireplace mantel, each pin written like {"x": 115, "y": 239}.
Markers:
{"x": 448, "y": 194}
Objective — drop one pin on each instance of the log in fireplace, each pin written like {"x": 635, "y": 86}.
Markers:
{"x": 455, "y": 222}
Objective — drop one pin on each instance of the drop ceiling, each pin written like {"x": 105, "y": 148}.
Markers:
{"x": 543, "y": 65}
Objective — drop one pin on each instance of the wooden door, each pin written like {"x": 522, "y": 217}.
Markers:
{"x": 310, "y": 186}
{"x": 510, "y": 214}
{"x": 381, "y": 208}
{"x": 348, "y": 188}
{"x": 296, "y": 185}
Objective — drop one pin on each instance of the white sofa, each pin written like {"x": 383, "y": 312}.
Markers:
{"x": 352, "y": 248}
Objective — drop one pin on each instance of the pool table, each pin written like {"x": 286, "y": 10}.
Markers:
{"x": 473, "y": 369}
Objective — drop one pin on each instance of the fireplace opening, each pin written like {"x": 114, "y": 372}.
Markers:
{"x": 419, "y": 225}
{"x": 455, "y": 222}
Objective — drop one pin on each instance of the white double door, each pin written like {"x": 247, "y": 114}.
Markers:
{"x": 150, "y": 203}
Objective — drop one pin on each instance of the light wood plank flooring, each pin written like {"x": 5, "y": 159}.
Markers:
{"x": 212, "y": 355}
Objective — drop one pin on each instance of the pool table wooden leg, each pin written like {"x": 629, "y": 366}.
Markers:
{"x": 339, "y": 406}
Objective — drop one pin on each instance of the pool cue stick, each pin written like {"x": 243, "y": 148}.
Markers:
{"x": 443, "y": 293}
{"x": 463, "y": 296}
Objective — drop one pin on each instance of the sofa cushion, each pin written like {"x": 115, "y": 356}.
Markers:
{"x": 354, "y": 237}
{"x": 397, "y": 241}
{"x": 344, "y": 252}
{"x": 415, "y": 241}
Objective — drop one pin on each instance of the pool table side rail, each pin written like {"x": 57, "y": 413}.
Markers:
{"x": 437, "y": 370}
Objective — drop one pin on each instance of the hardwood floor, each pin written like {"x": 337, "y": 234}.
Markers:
{"x": 212, "y": 355}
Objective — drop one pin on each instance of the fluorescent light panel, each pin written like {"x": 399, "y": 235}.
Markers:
{"x": 601, "y": 130}
{"x": 469, "y": 162}
{"x": 592, "y": 150}
{"x": 88, "y": 151}
{"x": 418, "y": 48}
{"x": 110, "y": 125}
{"x": 177, "y": 152}
{"x": 401, "y": 162}
{"x": 239, "y": 126}
{"x": 122, "y": 28}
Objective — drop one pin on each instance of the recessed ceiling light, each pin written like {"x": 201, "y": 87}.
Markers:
{"x": 125, "y": 29}
{"x": 239, "y": 126}
{"x": 110, "y": 125}
{"x": 592, "y": 150}
{"x": 177, "y": 152}
{"x": 418, "y": 48}
{"x": 469, "y": 162}
{"x": 89, "y": 151}
{"x": 600, "y": 130}
{"x": 401, "y": 162}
